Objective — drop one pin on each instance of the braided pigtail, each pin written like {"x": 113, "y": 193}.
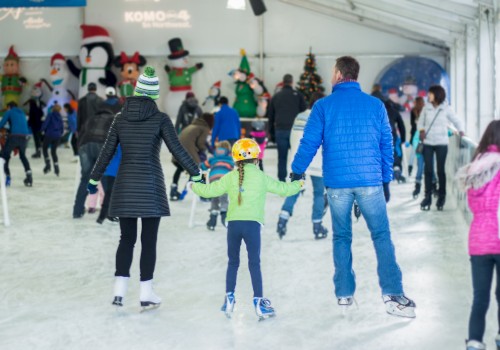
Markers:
{"x": 241, "y": 171}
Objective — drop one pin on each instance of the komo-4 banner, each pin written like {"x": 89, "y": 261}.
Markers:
{"x": 43, "y": 3}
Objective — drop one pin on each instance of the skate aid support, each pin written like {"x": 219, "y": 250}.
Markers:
{"x": 3, "y": 190}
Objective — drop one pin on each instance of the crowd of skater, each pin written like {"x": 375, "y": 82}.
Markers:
{"x": 349, "y": 144}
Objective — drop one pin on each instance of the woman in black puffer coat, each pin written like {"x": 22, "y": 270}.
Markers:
{"x": 139, "y": 190}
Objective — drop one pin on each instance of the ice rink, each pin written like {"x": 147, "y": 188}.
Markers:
{"x": 56, "y": 278}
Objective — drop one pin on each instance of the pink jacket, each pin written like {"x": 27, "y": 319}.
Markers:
{"x": 481, "y": 179}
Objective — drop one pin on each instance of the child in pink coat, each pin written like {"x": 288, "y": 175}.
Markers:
{"x": 481, "y": 179}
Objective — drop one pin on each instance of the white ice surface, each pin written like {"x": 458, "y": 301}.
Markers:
{"x": 56, "y": 278}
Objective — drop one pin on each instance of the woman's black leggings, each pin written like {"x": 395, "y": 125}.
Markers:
{"x": 125, "y": 250}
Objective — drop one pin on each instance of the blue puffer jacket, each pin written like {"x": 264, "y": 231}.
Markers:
{"x": 354, "y": 130}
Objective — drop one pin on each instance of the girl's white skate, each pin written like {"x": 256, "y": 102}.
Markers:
{"x": 346, "y": 303}
{"x": 263, "y": 308}
{"x": 399, "y": 306}
{"x": 149, "y": 300}
{"x": 228, "y": 307}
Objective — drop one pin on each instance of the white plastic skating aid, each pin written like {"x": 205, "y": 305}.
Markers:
{"x": 475, "y": 345}
{"x": 263, "y": 308}
{"x": 399, "y": 306}
{"x": 149, "y": 300}
{"x": 228, "y": 306}
{"x": 346, "y": 303}
{"x": 497, "y": 341}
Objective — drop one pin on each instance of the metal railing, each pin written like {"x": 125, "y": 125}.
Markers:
{"x": 460, "y": 153}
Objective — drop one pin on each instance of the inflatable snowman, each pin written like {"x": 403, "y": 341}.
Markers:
{"x": 59, "y": 75}
{"x": 179, "y": 76}
{"x": 211, "y": 103}
{"x": 410, "y": 91}
{"x": 96, "y": 57}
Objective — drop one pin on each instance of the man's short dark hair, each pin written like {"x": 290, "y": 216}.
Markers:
{"x": 287, "y": 79}
{"x": 92, "y": 87}
{"x": 439, "y": 93}
{"x": 223, "y": 100}
{"x": 11, "y": 104}
{"x": 348, "y": 66}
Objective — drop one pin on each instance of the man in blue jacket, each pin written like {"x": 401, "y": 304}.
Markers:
{"x": 18, "y": 138}
{"x": 227, "y": 126}
{"x": 354, "y": 130}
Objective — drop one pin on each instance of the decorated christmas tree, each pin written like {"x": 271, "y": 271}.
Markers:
{"x": 310, "y": 81}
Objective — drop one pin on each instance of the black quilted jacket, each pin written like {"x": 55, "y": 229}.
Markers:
{"x": 139, "y": 189}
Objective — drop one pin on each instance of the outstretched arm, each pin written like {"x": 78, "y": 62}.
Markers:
{"x": 73, "y": 69}
{"x": 284, "y": 189}
{"x": 213, "y": 189}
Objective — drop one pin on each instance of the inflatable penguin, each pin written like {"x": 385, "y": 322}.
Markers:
{"x": 211, "y": 103}
{"x": 179, "y": 76}
{"x": 96, "y": 57}
{"x": 59, "y": 75}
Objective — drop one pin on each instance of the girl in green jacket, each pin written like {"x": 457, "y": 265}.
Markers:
{"x": 246, "y": 187}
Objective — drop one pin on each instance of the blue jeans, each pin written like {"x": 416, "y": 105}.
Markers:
{"x": 318, "y": 200}
{"x": 248, "y": 231}
{"x": 89, "y": 153}
{"x": 283, "y": 145}
{"x": 371, "y": 202}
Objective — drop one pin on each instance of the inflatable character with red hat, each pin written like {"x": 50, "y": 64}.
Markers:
{"x": 129, "y": 71}
{"x": 96, "y": 57}
{"x": 59, "y": 76}
{"x": 12, "y": 82}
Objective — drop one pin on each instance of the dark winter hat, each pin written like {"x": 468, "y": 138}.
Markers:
{"x": 176, "y": 49}
{"x": 189, "y": 94}
{"x": 91, "y": 87}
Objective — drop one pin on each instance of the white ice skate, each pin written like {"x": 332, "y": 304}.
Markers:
{"x": 263, "y": 308}
{"x": 228, "y": 307}
{"x": 475, "y": 345}
{"x": 399, "y": 306}
{"x": 120, "y": 290}
{"x": 346, "y": 303}
{"x": 149, "y": 300}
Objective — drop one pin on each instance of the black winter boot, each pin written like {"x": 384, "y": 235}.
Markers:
{"x": 46, "y": 169}
{"x": 319, "y": 230}
{"x": 28, "y": 181}
{"x": 223, "y": 215}
{"x": 416, "y": 191}
{"x": 212, "y": 222}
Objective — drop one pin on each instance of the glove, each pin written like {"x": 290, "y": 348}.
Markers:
{"x": 167, "y": 68}
{"x": 296, "y": 177}
{"x": 199, "y": 65}
{"x": 198, "y": 179}
{"x": 92, "y": 186}
{"x": 387, "y": 192}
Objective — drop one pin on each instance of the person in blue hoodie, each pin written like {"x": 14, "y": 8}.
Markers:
{"x": 108, "y": 181}
{"x": 18, "y": 138}
{"x": 227, "y": 126}
{"x": 353, "y": 129}
{"x": 53, "y": 128}
{"x": 219, "y": 165}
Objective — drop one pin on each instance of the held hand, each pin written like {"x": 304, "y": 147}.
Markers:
{"x": 198, "y": 178}
{"x": 387, "y": 192}
{"x": 92, "y": 186}
{"x": 296, "y": 177}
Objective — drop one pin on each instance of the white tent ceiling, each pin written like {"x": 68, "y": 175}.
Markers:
{"x": 435, "y": 22}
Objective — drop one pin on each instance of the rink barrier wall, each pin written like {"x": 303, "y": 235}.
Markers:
{"x": 460, "y": 153}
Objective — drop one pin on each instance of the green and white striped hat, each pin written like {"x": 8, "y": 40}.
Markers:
{"x": 148, "y": 84}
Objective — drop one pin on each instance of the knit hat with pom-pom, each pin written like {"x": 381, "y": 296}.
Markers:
{"x": 147, "y": 84}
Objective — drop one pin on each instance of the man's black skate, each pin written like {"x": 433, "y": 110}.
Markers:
{"x": 416, "y": 191}
{"x": 425, "y": 205}
{"x": 319, "y": 230}
{"x": 281, "y": 229}
{"x": 46, "y": 169}
{"x": 410, "y": 169}
{"x": 174, "y": 194}
{"x": 56, "y": 169}
{"x": 37, "y": 154}
{"x": 440, "y": 202}
{"x": 212, "y": 222}
{"x": 117, "y": 301}
{"x": 28, "y": 181}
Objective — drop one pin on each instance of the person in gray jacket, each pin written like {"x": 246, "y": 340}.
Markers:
{"x": 139, "y": 190}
